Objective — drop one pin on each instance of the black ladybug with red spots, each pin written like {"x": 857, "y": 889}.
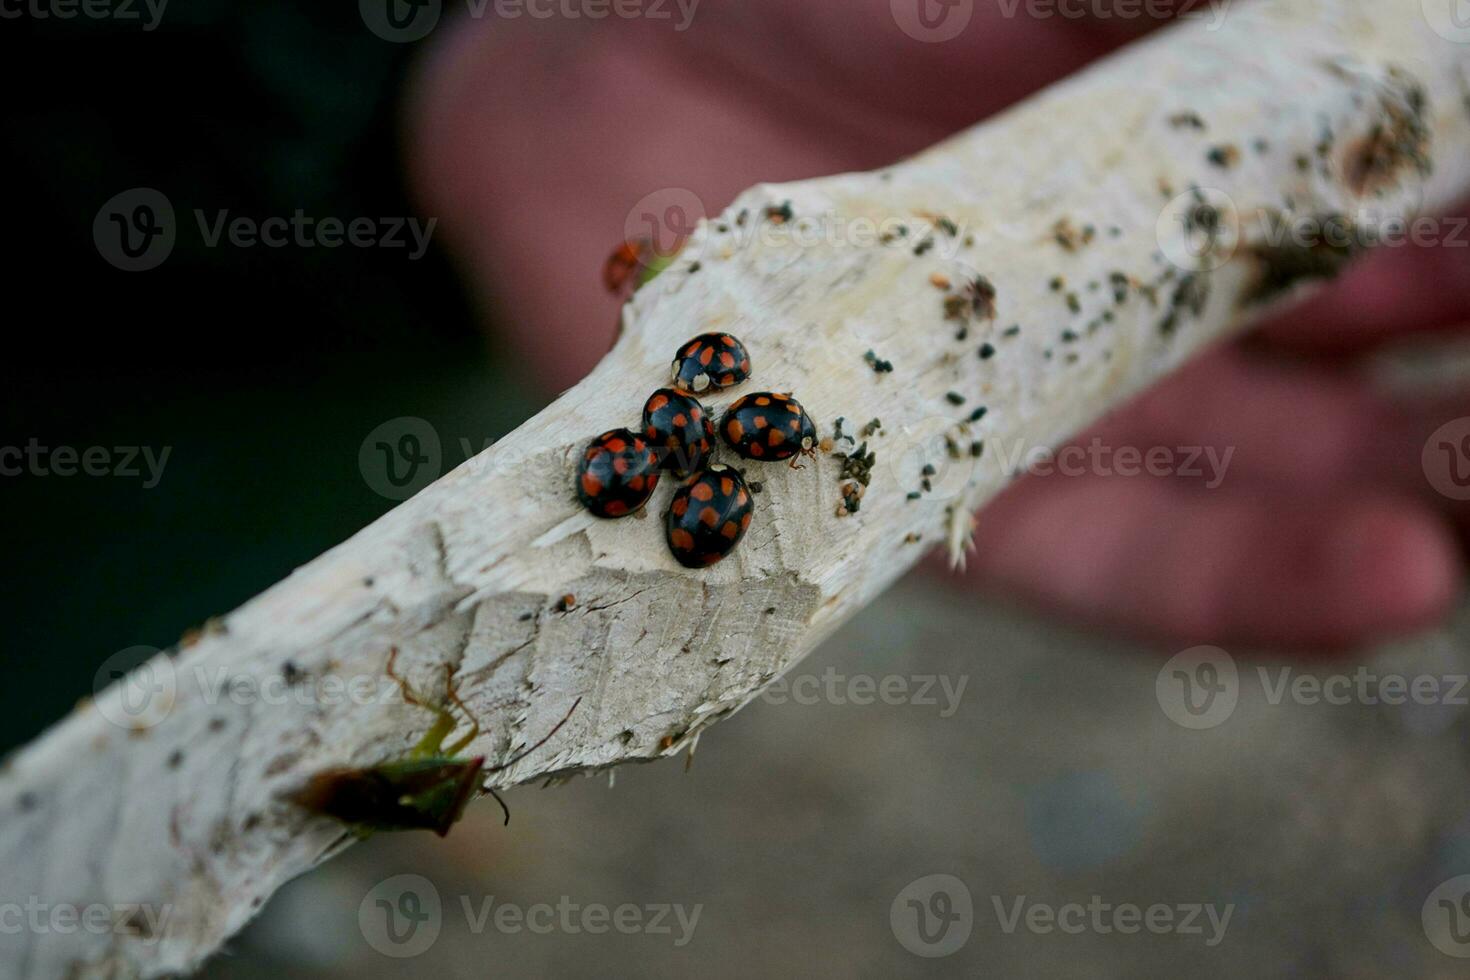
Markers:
{"x": 679, "y": 430}
{"x": 708, "y": 516}
{"x": 616, "y": 474}
{"x": 711, "y": 360}
{"x": 769, "y": 425}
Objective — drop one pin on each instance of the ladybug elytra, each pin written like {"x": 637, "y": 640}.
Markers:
{"x": 769, "y": 425}
{"x": 679, "y": 430}
{"x": 616, "y": 473}
{"x": 624, "y": 263}
{"x": 708, "y": 516}
{"x": 710, "y": 360}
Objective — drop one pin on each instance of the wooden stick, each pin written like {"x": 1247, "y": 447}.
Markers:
{"x": 969, "y": 269}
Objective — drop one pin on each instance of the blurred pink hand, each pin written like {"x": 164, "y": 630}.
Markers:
{"x": 531, "y": 139}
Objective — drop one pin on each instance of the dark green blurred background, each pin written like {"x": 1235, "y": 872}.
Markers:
{"x": 261, "y": 369}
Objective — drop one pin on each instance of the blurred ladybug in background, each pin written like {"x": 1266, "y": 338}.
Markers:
{"x": 627, "y": 261}
{"x": 633, "y": 264}
{"x": 769, "y": 425}
{"x": 708, "y": 516}
{"x": 679, "y": 429}
{"x": 616, "y": 474}
{"x": 711, "y": 360}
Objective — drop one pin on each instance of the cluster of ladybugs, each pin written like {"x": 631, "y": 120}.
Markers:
{"x": 619, "y": 470}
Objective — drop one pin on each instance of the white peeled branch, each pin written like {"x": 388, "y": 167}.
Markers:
{"x": 1310, "y": 109}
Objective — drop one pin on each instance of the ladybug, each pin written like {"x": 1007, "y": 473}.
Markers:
{"x": 626, "y": 261}
{"x": 768, "y": 425}
{"x": 708, "y": 516}
{"x": 680, "y": 431}
{"x": 616, "y": 474}
{"x": 711, "y": 359}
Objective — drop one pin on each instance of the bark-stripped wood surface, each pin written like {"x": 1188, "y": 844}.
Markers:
{"x": 1158, "y": 175}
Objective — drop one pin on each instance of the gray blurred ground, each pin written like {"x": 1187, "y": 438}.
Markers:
{"x": 1059, "y": 778}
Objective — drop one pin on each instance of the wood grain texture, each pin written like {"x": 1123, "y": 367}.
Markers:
{"x": 180, "y": 806}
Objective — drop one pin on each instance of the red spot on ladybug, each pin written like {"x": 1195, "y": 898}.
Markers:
{"x": 616, "y": 474}
{"x": 702, "y": 534}
{"x": 691, "y": 368}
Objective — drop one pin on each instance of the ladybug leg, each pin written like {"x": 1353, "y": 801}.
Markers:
{"x": 809, "y": 453}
